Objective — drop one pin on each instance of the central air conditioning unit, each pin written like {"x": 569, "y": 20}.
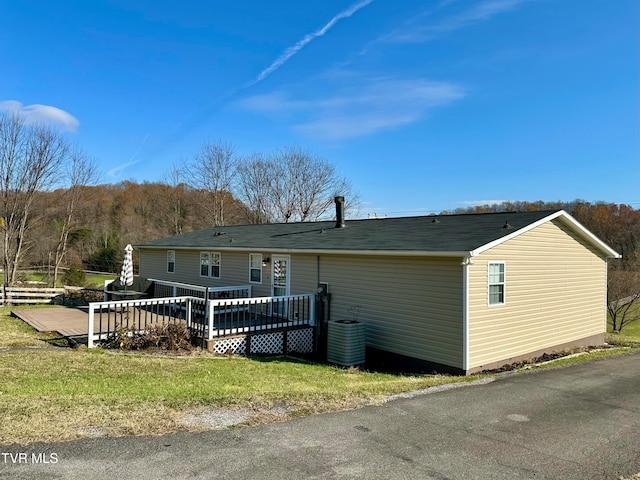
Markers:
{"x": 346, "y": 342}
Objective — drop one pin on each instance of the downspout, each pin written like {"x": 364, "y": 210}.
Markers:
{"x": 465, "y": 312}
{"x": 323, "y": 313}
{"x": 606, "y": 294}
{"x": 319, "y": 308}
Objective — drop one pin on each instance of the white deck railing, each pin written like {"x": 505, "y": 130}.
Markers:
{"x": 164, "y": 288}
{"x": 205, "y": 318}
{"x": 106, "y": 318}
{"x": 243, "y": 315}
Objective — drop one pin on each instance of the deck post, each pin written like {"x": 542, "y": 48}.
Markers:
{"x": 189, "y": 307}
{"x": 312, "y": 310}
{"x": 210, "y": 305}
{"x": 90, "y": 327}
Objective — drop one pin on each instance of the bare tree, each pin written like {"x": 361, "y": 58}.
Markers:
{"x": 174, "y": 178}
{"x": 291, "y": 185}
{"x": 81, "y": 172}
{"x": 255, "y": 188}
{"x": 30, "y": 157}
{"x": 623, "y": 296}
{"x": 212, "y": 171}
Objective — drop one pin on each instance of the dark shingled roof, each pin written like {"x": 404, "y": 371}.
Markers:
{"x": 440, "y": 234}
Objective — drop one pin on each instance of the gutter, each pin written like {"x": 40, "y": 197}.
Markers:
{"x": 395, "y": 253}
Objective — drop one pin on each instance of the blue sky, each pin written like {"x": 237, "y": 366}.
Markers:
{"x": 424, "y": 105}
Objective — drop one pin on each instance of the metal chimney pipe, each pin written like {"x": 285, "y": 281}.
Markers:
{"x": 339, "y": 212}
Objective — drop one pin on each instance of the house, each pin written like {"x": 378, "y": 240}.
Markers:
{"x": 459, "y": 293}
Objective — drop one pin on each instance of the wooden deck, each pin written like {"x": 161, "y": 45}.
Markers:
{"x": 68, "y": 322}
{"x": 73, "y": 322}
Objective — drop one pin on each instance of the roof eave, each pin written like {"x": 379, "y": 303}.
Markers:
{"x": 577, "y": 226}
{"x": 398, "y": 253}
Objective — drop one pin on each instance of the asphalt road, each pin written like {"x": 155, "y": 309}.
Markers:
{"x": 576, "y": 422}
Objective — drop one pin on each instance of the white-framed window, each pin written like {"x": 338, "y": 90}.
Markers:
{"x": 496, "y": 283}
{"x": 255, "y": 268}
{"x": 210, "y": 264}
{"x": 205, "y": 262}
{"x": 171, "y": 261}
{"x": 215, "y": 264}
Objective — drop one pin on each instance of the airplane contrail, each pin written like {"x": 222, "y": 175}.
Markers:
{"x": 291, "y": 51}
{"x": 144, "y": 140}
{"x": 121, "y": 168}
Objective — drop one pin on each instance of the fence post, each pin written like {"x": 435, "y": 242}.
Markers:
{"x": 90, "y": 330}
{"x": 189, "y": 307}
{"x": 210, "y": 308}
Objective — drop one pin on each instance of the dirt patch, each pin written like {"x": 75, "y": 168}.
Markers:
{"x": 217, "y": 418}
{"x": 91, "y": 432}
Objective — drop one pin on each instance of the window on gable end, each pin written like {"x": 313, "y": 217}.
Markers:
{"x": 497, "y": 283}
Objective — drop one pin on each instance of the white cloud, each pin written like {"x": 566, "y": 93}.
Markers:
{"x": 37, "y": 114}
{"x": 480, "y": 12}
{"x": 366, "y": 107}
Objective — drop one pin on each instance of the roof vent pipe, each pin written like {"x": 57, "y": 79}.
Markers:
{"x": 339, "y": 212}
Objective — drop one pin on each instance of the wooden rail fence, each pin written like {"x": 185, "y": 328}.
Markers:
{"x": 28, "y": 295}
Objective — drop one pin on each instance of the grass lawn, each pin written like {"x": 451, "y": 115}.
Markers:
{"x": 630, "y": 333}
{"x": 61, "y": 394}
{"x": 93, "y": 280}
{"x": 52, "y": 394}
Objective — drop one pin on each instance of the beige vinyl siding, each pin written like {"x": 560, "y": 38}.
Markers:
{"x": 411, "y": 305}
{"x": 555, "y": 293}
{"x": 234, "y": 269}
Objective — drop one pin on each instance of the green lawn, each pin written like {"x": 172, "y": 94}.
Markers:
{"x": 630, "y": 334}
{"x": 51, "y": 394}
{"x": 94, "y": 280}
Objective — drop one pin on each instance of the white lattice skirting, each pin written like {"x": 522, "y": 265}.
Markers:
{"x": 298, "y": 341}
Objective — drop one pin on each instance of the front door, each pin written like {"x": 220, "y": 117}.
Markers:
{"x": 280, "y": 276}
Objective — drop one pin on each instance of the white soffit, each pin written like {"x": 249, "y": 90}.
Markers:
{"x": 573, "y": 223}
